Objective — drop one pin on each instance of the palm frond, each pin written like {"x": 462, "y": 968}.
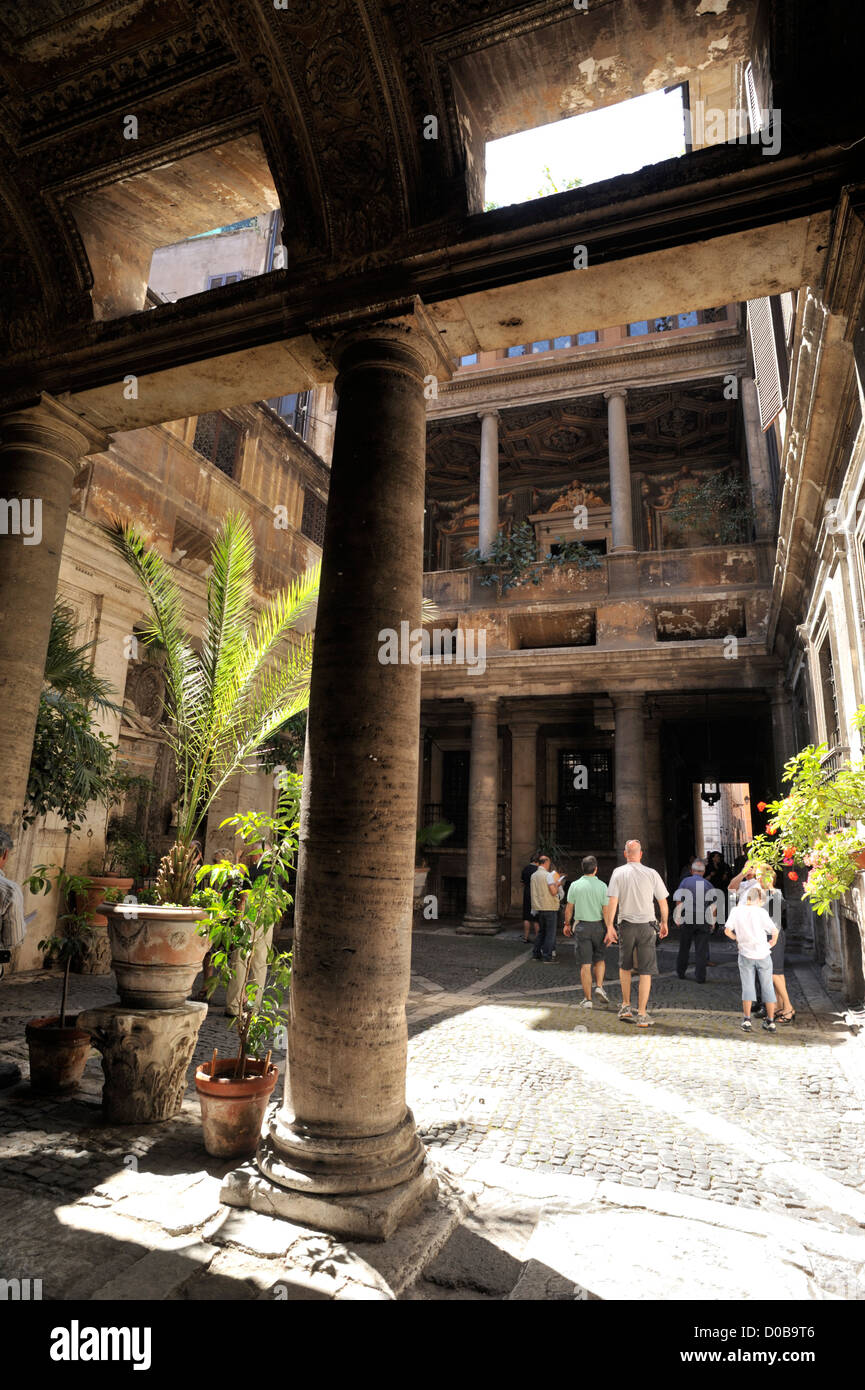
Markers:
{"x": 68, "y": 663}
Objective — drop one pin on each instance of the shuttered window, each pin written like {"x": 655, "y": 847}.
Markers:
{"x": 218, "y": 439}
{"x": 766, "y": 330}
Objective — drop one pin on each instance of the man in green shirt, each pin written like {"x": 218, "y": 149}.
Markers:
{"x": 587, "y": 897}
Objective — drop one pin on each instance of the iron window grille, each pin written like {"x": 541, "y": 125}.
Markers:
{"x": 219, "y": 440}
{"x": 312, "y": 522}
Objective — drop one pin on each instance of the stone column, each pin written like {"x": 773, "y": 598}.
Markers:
{"x": 40, "y": 452}
{"x": 524, "y": 804}
{"x": 631, "y": 814}
{"x": 482, "y": 857}
{"x": 655, "y": 852}
{"x": 344, "y": 1131}
{"x": 758, "y": 460}
{"x": 620, "y": 472}
{"x": 488, "y": 497}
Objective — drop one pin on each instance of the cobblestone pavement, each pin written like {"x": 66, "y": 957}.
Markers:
{"x": 688, "y": 1121}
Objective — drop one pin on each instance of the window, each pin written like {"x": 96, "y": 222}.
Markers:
{"x": 294, "y": 410}
{"x": 689, "y": 320}
{"x": 542, "y": 346}
{"x": 830, "y": 694}
{"x": 218, "y": 439}
{"x": 518, "y": 351}
{"x": 584, "y": 815}
{"x": 591, "y": 336}
{"x": 312, "y": 522}
{"x": 769, "y": 349}
{"x": 469, "y": 360}
{"x": 638, "y": 329}
{"x": 214, "y": 281}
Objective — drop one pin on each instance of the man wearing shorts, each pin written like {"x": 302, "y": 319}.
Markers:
{"x": 587, "y": 897}
{"x": 634, "y": 889}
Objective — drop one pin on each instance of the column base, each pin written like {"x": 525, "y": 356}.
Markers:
{"x": 364, "y": 1216}
{"x": 296, "y": 1158}
{"x": 145, "y": 1058}
{"x": 479, "y": 926}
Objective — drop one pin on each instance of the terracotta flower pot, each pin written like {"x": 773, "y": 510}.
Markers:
{"x": 232, "y": 1111}
{"x": 156, "y": 953}
{"x": 58, "y": 1056}
{"x": 859, "y": 858}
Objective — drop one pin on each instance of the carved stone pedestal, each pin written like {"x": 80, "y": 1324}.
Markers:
{"x": 145, "y": 1057}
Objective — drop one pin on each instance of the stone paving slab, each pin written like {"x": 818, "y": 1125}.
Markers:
{"x": 556, "y": 1131}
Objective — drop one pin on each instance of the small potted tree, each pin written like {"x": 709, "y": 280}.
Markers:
{"x": 243, "y": 908}
{"x": 58, "y": 1048}
{"x": 224, "y": 699}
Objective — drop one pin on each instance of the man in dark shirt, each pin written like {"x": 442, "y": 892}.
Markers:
{"x": 695, "y": 911}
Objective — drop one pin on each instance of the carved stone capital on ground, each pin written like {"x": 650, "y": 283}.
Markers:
{"x": 145, "y": 1058}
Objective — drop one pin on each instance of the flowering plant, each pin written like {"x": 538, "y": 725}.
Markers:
{"x": 816, "y": 826}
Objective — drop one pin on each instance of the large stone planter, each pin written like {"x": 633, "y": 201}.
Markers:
{"x": 156, "y": 953}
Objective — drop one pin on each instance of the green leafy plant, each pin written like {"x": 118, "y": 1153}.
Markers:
{"x": 225, "y": 702}
{"x": 513, "y": 560}
{"x": 126, "y": 851}
{"x": 815, "y": 828}
{"x": 431, "y": 836}
{"x": 73, "y": 762}
{"x": 66, "y": 948}
{"x": 721, "y": 505}
{"x": 242, "y": 908}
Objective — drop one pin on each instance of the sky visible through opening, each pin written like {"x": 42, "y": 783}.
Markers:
{"x": 594, "y": 146}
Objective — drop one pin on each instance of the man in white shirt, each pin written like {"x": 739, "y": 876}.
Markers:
{"x": 634, "y": 889}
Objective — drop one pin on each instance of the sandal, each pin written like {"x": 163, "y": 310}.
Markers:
{"x": 625, "y": 1014}
{"x": 785, "y": 1018}
{"x": 643, "y": 1021}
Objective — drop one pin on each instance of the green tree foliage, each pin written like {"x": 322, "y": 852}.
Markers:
{"x": 513, "y": 560}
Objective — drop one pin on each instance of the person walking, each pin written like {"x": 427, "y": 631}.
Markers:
{"x": 634, "y": 889}
{"x": 584, "y": 918}
{"x": 530, "y": 921}
{"x": 695, "y": 912}
{"x": 754, "y": 933}
{"x": 545, "y": 905}
{"x": 739, "y": 889}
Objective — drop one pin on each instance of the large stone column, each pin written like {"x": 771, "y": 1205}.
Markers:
{"x": 524, "y": 803}
{"x": 783, "y": 737}
{"x": 620, "y": 471}
{"x": 654, "y": 851}
{"x": 488, "y": 496}
{"x": 631, "y": 815}
{"x": 344, "y": 1130}
{"x": 40, "y": 452}
{"x": 482, "y": 858}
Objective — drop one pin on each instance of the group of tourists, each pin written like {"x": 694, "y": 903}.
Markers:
{"x": 742, "y": 900}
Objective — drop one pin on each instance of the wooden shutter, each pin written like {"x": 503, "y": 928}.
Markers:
{"x": 765, "y": 328}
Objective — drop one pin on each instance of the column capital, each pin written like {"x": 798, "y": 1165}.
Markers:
{"x": 614, "y": 392}
{"x": 523, "y": 728}
{"x": 483, "y": 703}
{"x": 49, "y": 427}
{"x": 626, "y": 699}
{"x": 491, "y": 414}
{"x": 397, "y": 333}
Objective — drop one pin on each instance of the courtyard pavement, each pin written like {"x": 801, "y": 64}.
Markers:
{"x": 578, "y": 1157}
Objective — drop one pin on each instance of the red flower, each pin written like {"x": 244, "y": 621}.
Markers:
{"x": 794, "y": 876}
{"x": 770, "y": 830}
{"x": 789, "y": 856}
{"x": 761, "y": 805}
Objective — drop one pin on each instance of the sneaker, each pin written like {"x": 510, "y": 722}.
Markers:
{"x": 601, "y": 993}
{"x": 584, "y": 1004}
{"x": 554, "y": 955}
{"x": 759, "y": 1012}
{"x": 769, "y": 1026}
{"x": 546, "y": 960}
{"x": 746, "y": 1025}
{"x": 643, "y": 1021}
{"x": 625, "y": 1014}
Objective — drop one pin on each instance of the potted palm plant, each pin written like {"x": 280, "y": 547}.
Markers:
{"x": 428, "y": 837}
{"x": 222, "y": 703}
{"x": 58, "y": 1047}
{"x": 243, "y": 910}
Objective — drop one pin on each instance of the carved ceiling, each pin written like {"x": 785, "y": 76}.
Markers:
{"x": 337, "y": 92}
{"x": 547, "y": 444}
